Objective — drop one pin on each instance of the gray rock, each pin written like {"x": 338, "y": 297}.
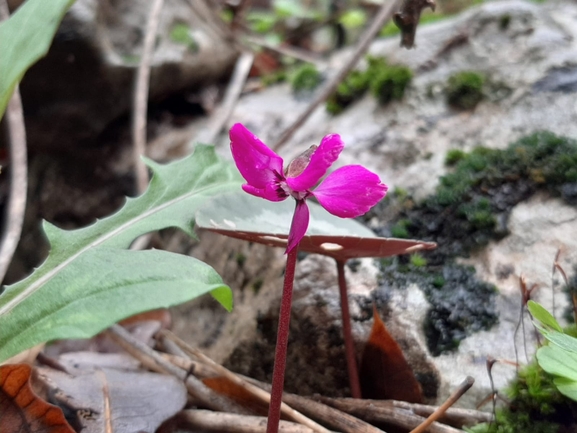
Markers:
{"x": 532, "y": 58}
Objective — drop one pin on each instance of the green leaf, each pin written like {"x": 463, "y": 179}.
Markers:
{"x": 567, "y": 387}
{"x": 253, "y": 219}
{"x": 26, "y": 37}
{"x": 88, "y": 270}
{"x": 564, "y": 341}
{"x": 542, "y": 315}
{"x": 557, "y": 361}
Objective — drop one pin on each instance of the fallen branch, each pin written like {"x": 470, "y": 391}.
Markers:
{"x": 154, "y": 361}
{"x": 206, "y": 420}
{"x": 456, "y": 395}
{"x": 383, "y": 16}
{"x": 16, "y": 207}
{"x": 168, "y": 337}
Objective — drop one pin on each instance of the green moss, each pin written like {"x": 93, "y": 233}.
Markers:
{"x": 390, "y": 82}
{"x": 465, "y": 89}
{"x": 460, "y": 303}
{"x": 470, "y": 208}
{"x": 351, "y": 89}
{"x": 418, "y": 260}
{"x": 240, "y": 259}
{"x": 454, "y": 156}
{"x": 257, "y": 285}
{"x": 536, "y": 406}
{"x": 180, "y": 34}
{"x": 387, "y": 83}
{"x": 504, "y": 21}
{"x": 305, "y": 78}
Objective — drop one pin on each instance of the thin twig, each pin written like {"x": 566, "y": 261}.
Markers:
{"x": 233, "y": 91}
{"x": 384, "y": 15}
{"x": 154, "y": 361}
{"x": 16, "y": 207}
{"x": 287, "y": 50}
{"x": 456, "y": 395}
{"x": 263, "y": 396}
{"x": 209, "y": 421}
{"x": 347, "y": 332}
{"x": 385, "y": 411}
{"x": 141, "y": 97}
{"x": 330, "y": 416}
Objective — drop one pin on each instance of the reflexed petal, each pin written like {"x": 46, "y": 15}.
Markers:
{"x": 324, "y": 156}
{"x": 299, "y": 225}
{"x": 350, "y": 191}
{"x": 271, "y": 193}
{"x": 256, "y": 162}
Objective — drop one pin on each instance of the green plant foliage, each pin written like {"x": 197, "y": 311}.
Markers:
{"x": 26, "y": 37}
{"x": 90, "y": 281}
{"x": 541, "y": 314}
{"x": 418, "y": 260}
{"x": 180, "y": 34}
{"x": 353, "y": 18}
{"x": 305, "y": 78}
{"x": 274, "y": 78}
{"x": 465, "y": 89}
{"x": 536, "y": 406}
{"x": 261, "y": 21}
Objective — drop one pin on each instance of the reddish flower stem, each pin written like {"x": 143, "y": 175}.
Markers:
{"x": 347, "y": 333}
{"x": 281, "y": 344}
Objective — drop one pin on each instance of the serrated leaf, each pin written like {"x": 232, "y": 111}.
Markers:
{"x": 242, "y": 216}
{"x": 543, "y": 316}
{"x": 557, "y": 361}
{"x": 89, "y": 281}
{"x": 26, "y": 37}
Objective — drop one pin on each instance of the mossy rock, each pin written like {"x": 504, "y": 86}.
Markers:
{"x": 469, "y": 208}
{"x": 465, "y": 90}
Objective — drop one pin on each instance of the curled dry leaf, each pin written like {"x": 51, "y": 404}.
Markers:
{"x": 23, "y": 411}
{"x": 384, "y": 372}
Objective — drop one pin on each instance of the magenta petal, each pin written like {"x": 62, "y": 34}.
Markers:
{"x": 350, "y": 191}
{"x": 260, "y": 166}
{"x": 327, "y": 153}
{"x": 271, "y": 194}
{"x": 299, "y": 225}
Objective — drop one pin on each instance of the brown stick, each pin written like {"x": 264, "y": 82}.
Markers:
{"x": 347, "y": 332}
{"x": 332, "y": 417}
{"x": 16, "y": 207}
{"x": 206, "y": 420}
{"x": 456, "y": 395}
{"x": 254, "y": 390}
{"x": 141, "y": 97}
{"x": 154, "y": 361}
{"x": 383, "y": 16}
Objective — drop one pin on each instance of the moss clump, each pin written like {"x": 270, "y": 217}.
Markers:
{"x": 180, "y": 34}
{"x": 274, "y": 78}
{"x": 387, "y": 83}
{"x": 351, "y": 89}
{"x": 390, "y": 82}
{"x": 460, "y": 303}
{"x": 305, "y": 78}
{"x": 465, "y": 90}
{"x": 454, "y": 156}
{"x": 536, "y": 406}
{"x": 469, "y": 208}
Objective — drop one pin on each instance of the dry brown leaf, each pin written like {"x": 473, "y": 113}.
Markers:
{"x": 23, "y": 411}
{"x": 384, "y": 372}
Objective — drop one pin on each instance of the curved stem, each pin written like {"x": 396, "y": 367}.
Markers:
{"x": 347, "y": 333}
{"x": 281, "y": 343}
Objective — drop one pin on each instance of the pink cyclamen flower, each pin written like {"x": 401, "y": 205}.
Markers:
{"x": 347, "y": 192}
